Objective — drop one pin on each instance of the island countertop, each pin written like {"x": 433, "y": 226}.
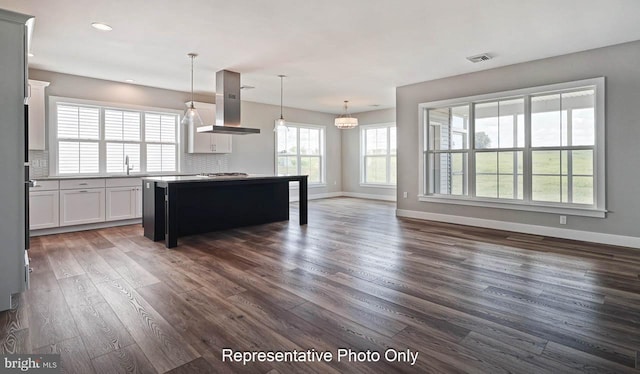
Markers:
{"x": 171, "y": 179}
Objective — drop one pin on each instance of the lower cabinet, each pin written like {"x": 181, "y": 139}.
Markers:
{"x": 78, "y": 207}
{"x": 71, "y": 202}
{"x": 43, "y": 209}
{"x": 122, "y": 203}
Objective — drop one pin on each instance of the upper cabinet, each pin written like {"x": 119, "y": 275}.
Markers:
{"x": 37, "y": 114}
{"x": 205, "y": 142}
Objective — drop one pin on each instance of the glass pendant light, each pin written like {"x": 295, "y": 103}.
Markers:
{"x": 191, "y": 116}
{"x": 345, "y": 121}
{"x": 280, "y": 122}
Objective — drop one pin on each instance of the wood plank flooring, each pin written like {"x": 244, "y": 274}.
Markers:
{"x": 467, "y": 299}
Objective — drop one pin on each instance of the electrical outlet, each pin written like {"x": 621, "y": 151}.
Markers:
{"x": 43, "y": 163}
{"x": 35, "y": 163}
{"x": 563, "y": 220}
{"x": 405, "y": 194}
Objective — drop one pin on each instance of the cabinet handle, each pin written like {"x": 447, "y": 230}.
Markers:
{"x": 83, "y": 184}
{"x": 83, "y": 191}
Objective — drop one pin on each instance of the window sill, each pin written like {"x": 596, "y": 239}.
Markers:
{"x": 570, "y": 211}
{"x": 373, "y": 185}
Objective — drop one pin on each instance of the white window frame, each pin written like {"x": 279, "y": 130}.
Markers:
{"x": 598, "y": 209}
{"x": 363, "y": 129}
{"x": 323, "y": 151}
{"x": 102, "y": 105}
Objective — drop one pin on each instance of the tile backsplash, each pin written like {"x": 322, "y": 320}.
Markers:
{"x": 38, "y": 164}
{"x": 191, "y": 163}
{"x": 205, "y": 163}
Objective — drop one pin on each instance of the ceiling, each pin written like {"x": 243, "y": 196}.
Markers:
{"x": 330, "y": 50}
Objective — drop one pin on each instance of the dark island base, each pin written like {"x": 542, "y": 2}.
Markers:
{"x": 172, "y": 210}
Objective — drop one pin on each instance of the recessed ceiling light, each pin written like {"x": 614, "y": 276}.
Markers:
{"x": 101, "y": 26}
{"x": 129, "y": 80}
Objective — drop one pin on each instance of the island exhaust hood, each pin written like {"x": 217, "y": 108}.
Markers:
{"x": 227, "y": 106}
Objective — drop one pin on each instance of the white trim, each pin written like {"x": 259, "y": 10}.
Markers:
{"x": 589, "y": 236}
{"x": 91, "y": 226}
{"x": 599, "y": 207}
{"x": 102, "y": 105}
{"x": 388, "y": 155}
{"x": 316, "y": 196}
{"x": 323, "y": 149}
{"x": 296, "y": 186}
{"x": 370, "y": 196}
{"x": 386, "y": 186}
{"x": 514, "y": 205}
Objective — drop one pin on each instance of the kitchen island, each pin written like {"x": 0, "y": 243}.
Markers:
{"x": 175, "y": 206}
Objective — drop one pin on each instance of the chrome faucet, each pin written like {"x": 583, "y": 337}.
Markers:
{"x": 126, "y": 162}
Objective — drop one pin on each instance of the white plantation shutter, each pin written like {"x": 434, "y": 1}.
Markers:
{"x": 122, "y": 126}
{"x": 78, "y": 136}
{"x": 116, "y": 154}
{"x": 94, "y": 139}
{"x": 161, "y": 130}
{"x": 161, "y": 157}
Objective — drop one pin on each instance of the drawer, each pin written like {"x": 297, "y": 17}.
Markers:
{"x": 45, "y": 185}
{"x": 124, "y": 182}
{"x": 72, "y": 184}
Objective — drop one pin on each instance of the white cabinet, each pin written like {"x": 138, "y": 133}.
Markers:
{"x": 121, "y": 203}
{"x": 205, "y": 142}
{"x": 123, "y": 198}
{"x": 43, "y": 209}
{"x": 37, "y": 114}
{"x": 44, "y": 205}
{"x": 70, "y": 202}
{"x": 82, "y": 206}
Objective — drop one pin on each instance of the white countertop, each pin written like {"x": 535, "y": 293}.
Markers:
{"x": 110, "y": 176}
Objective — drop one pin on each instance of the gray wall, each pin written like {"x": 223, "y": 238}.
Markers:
{"x": 256, "y": 153}
{"x": 351, "y": 153}
{"x": 619, "y": 64}
{"x": 251, "y": 153}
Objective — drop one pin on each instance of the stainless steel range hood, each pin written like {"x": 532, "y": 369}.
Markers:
{"x": 227, "y": 106}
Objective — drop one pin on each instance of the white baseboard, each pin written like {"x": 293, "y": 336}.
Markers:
{"x": 293, "y": 196}
{"x": 369, "y": 196}
{"x": 90, "y": 226}
{"x": 595, "y": 237}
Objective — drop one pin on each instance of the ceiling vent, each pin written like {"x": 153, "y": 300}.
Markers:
{"x": 479, "y": 58}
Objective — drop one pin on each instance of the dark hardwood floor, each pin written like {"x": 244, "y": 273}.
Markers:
{"x": 467, "y": 299}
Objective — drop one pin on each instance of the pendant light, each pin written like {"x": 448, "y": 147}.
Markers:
{"x": 345, "y": 121}
{"x": 280, "y": 122}
{"x": 191, "y": 116}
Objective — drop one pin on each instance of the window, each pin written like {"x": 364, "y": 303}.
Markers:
{"x": 122, "y": 134}
{"x": 378, "y": 154}
{"x": 160, "y": 130}
{"x": 78, "y": 139}
{"x": 538, "y": 149}
{"x": 93, "y": 139}
{"x": 300, "y": 150}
